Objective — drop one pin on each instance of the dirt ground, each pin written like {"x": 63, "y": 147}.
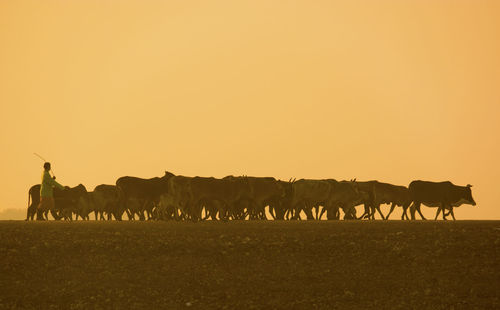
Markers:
{"x": 250, "y": 265}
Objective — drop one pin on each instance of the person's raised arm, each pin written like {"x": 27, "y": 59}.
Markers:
{"x": 55, "y": 183}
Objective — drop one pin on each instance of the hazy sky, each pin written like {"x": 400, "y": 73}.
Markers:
{"x": 388, "y": 90}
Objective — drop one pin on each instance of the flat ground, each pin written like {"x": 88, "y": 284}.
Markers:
{"x": 245, "y": 265}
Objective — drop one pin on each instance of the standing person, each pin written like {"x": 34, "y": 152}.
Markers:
{"x": 47, "y": 192}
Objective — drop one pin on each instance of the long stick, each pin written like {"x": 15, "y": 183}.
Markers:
{"x": 40, "y": 157}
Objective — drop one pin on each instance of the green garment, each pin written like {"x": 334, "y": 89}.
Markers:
{"x": 48, "y": 184}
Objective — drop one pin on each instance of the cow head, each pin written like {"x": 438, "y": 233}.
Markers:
{"x": 468, "y": 195}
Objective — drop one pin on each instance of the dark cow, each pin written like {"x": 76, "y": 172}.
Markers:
{"x": 344, "y": 195}
{"x": 367, "y": 198}
{"x": 147, "y": 191}
{"x": 263, "y": 191}
{"x": 223, "y": 194}
{"x": 398, "y": 196}
{"x": 102, "y": 201}
{"x": 443, "y": 195}
{"x": 308, "y": 194}
{"x": 34, "y": 197}
{"x": 65, "y": 202}
{"x": 330, "y": 194}
{"x": 378, "y": 193}
{"x": 278, "y": 209}
{"x": 109, "y": 196}
{"x": 178, "y": 198}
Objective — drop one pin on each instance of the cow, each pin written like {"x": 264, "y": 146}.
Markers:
{"x": 367, "y": 198}
{"x": 307, "y": 194}
{"x": 34, "y": 196}
{"x": 178, "y": 198}
{"x": 278, "y": 208}
{"x": 147, "y": 191}
{"x": 377, "y": 193}
{"x": 65, "y": 201}
{"x": 399, "y": 196}
{"x": 443, "y": 195}
{"x": 223, "y": 194}
{"x": 344, "y": 195}
{"x": 103, "y": 200}
{"x": 109, "y": 195}
{"x": 330, "y": 194}
{"x": 263, "y": 191}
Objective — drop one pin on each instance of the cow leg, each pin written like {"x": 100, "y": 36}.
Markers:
{"x": 393, "y": 205}
{"x": 417, "y": 208}
{"x": 39, "y": 215}
{"x": 287, "y": 215}
{"x": 272, "y": 211}
{"x": 31, "y": 213}
{"x": 376, "y": 207}
{"x": 294, "y": 213}
{"x": 309, "y": 214}
{"x": 437, "y": 213}
{"x": 452, "y": 214}
{"x": 323, "y": 212}
{"x": 405, "y": 214}
{"x": 365, "y": 212}
{"x": 413, "y": 208}
{"x": 444, "y": 207}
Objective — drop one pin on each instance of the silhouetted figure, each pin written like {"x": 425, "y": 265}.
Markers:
{"x": 47, "y": 192}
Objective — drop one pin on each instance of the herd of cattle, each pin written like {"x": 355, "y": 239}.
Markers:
{"x": 175, "y": 197}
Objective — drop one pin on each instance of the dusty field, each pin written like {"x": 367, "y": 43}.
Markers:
{"x": 245, "y": 265}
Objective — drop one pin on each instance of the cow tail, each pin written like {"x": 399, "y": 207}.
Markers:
{"x": 28, "y": 209}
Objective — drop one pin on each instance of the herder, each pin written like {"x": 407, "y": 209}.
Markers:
{"x": 47, "y": 192}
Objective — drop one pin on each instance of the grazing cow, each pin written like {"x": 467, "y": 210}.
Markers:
{"x": 147, "y": 191}
{"x": 443, "y": 195}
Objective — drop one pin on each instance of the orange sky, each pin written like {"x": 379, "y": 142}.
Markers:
{"x": 387, "y": 90}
